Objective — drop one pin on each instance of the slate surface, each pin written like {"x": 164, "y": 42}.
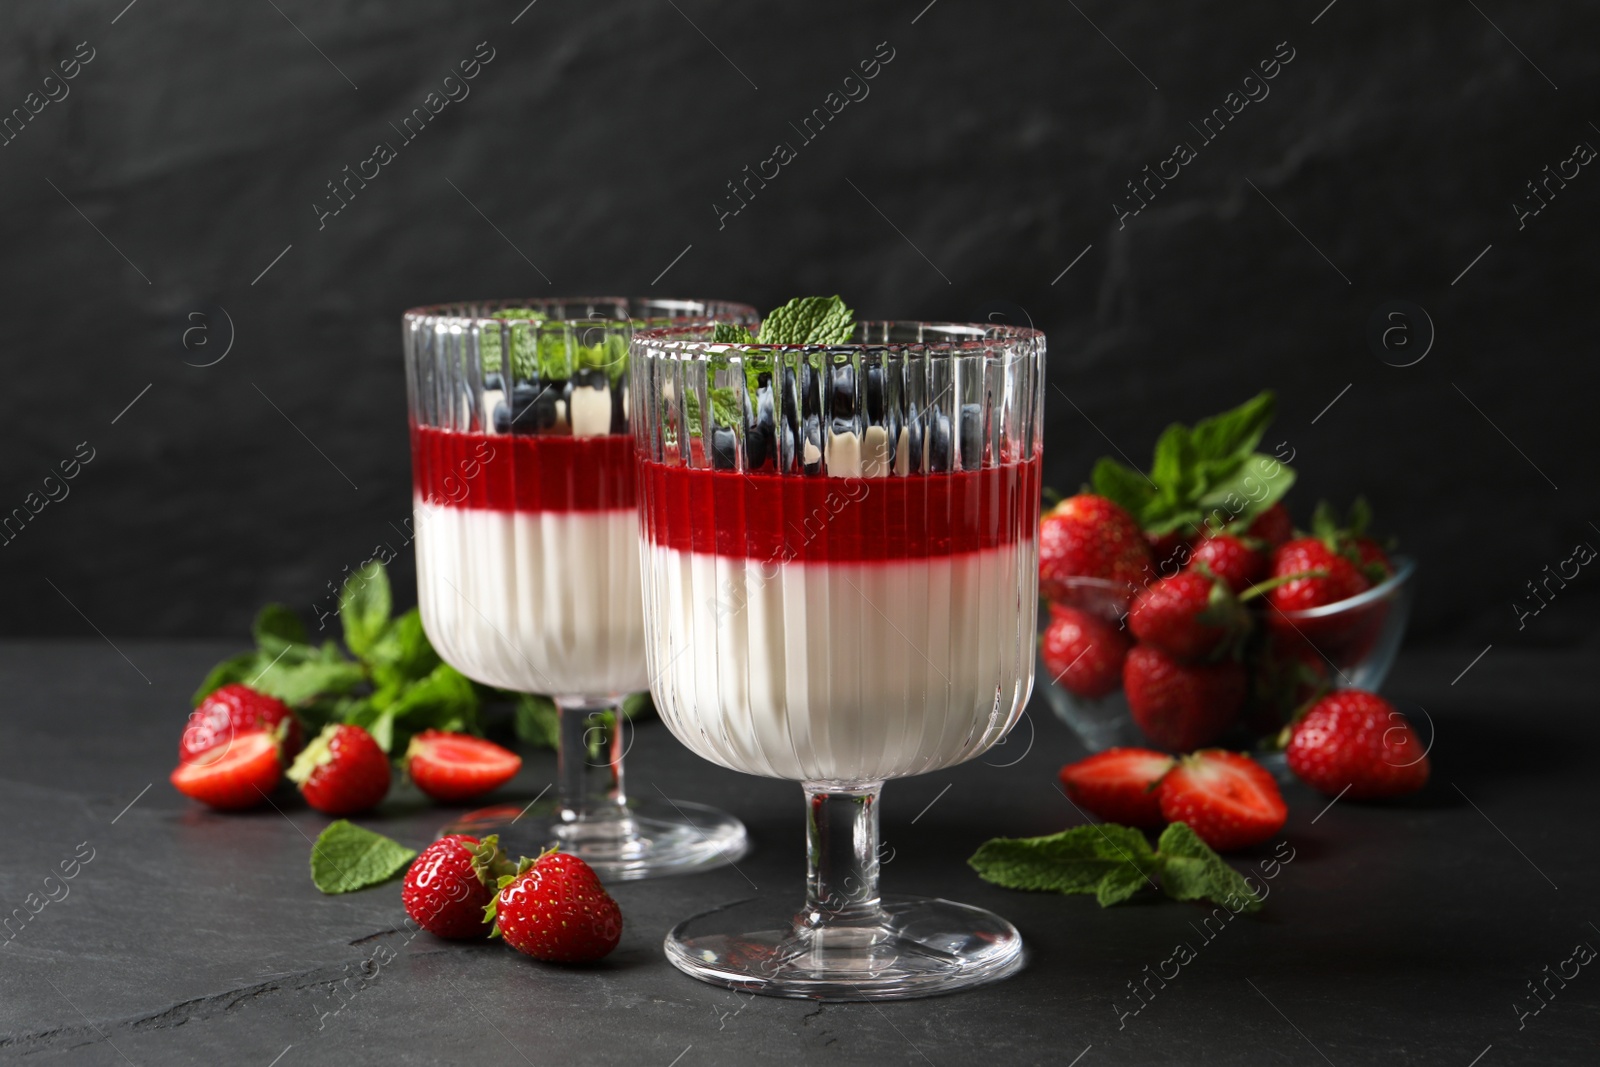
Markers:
{"x": 1397, "y": 933}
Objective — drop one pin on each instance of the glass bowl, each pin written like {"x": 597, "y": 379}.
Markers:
{"x": 1357, "y": 639}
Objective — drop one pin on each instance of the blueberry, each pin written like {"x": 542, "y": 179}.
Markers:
{"x": 939, "y": 442}
{"x": 493, "y": 381}
{"x": 724, "y": 449}
{"x": 811, "y": 442}
{"x": 842, "y": 392}
{"x": 971, "y": 436}
{"x": 619, "y": 409}
{"x": 533, "y": 407}
{"x": 810, "y": 401}
{"x": 761, "y": 435}
{"x": 876, "y": 390}
{"x": 502, "y": 418}
{"x": 913, "y": 440}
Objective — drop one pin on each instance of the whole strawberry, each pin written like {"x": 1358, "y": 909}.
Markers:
{"x": 1286, "y": 676}
{"x": 554, "y": 908}
{"x": 1374, "y": 560}
{"x": 342, "y": 771}
{"x": 230, "y": 710}
{"x": 1089, "y": 536}
{"x": 1170, "y": 551}
{"x": 1228, "y": 799}
{"x": 1119, "y": 784}
{"x": 452, "y": 882}
{"x": 1179, "y": 705}
{"x": 1357, "y": 740}
{"x": 1337, "y": 576}
{"x": 1239, "y": 562}
{"x": 1083, "y": 652}
{"x": 1274, "y": 527}
{"x": 1190, "y": 615}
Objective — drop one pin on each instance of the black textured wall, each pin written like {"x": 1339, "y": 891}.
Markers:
{"x": 174, "y": 185}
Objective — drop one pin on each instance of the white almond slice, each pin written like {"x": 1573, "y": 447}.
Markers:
{"x": 809, "y": 452}
{"x": 902, "y": 453}
{"x": 591, "y": 411}
{"x": 844, "y": 455}
{"x": 875, "y": 453}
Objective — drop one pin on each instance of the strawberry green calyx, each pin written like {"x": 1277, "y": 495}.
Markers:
{"x": 489, "y": 863}
{"x": 505, "y": 876}
{"x": 1262, "y": 588}
{"x": 317, "y": 753}
{"x": 1227, "y": 611}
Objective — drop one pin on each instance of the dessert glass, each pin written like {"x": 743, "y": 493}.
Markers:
{"x": 840, "y": 586}
{"x": 526, "y": 532}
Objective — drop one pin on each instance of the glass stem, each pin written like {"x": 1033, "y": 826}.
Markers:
{"x": 841, "y": 855}
{"x": 589, "y": 759}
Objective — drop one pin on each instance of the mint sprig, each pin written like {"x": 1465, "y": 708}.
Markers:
{"x": 1205, "y": 472}
{"x": 347, "y": 857}
{"x": 1112, "y": 863}
{"x": 392, "y": 682}
{"x": 550, "y": 351}
{"x": 805, "y": 320}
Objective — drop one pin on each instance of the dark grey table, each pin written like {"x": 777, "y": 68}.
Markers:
{"x": 1399, "y": 933}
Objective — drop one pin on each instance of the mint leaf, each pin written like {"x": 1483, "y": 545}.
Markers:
{"x": 444, "y": 700}
{"x": 346, "y": 857}
{"x": 1113, "y": 863}
{"x": 277, "y": 625}
{"x": 300, "y": 683}
{"x": 537, "y": 721}
{"x": 638, "y": 705}
{"x": 402, "y": 653}
{"x": 731, "y": 333}
{"x": 726, "y": 408}
{"x": 809, "y": 320}
{"x": 1122, "y": 485}
{"x": 1234, "y": 433}
{"x": 523, "y": 361}
{"x": 1192, "y": 871}
{"x": 1251, "y": 490}
{"x": 240, "y": 668}
{"x": 1206, "y": 474}
{"x": 1078, "y": 860}
{"x": 364, "y": 606}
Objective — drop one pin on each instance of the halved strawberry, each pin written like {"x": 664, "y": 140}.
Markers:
{"x": 1227, "y": 799}
{"x": 452, "y": 767}
{"x": 235, "y": 776}
{"x": 1118, "y": 784}
{"x": 231, "y": 709}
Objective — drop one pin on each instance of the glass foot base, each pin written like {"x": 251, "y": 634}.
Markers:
{"x": 920, "y": 947}
{"x": 651, "y": 838}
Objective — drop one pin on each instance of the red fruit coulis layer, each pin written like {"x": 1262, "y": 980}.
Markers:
{"x": 515, "y": 472}
{"x": 782, "y": 518}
